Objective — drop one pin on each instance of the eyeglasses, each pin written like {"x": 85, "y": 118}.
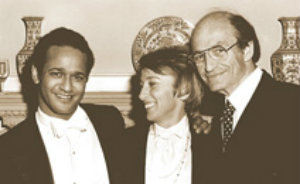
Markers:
{"x": 217, "y": 53}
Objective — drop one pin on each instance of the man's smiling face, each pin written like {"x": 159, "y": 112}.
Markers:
{"x": 62, "y": 81}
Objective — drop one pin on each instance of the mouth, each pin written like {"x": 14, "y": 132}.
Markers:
{"x": 213, "y": 75}
{"x": 64, "y": 97}
{"x": 149, "y": 105}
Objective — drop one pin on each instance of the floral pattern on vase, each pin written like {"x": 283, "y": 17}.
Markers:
{"x": 285, "y": 61}
{"x": 33, "y": 32}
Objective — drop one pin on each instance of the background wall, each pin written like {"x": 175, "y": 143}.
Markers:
{"x": 110, "y": 26}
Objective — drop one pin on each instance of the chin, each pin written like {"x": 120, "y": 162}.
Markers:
{"x": 65, "y": 111}
{"x": 214, "y": 88}
{"x": 151, "y": 118}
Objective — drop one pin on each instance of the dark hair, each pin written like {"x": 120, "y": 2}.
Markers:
{"x": 176, "y": 61}
{"x": 60, "y": 37}
{"x": 245, "y": 33}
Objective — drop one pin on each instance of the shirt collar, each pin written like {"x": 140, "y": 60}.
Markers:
{"x": 58, "y": 127}
{"x": 180, "y": 129}
{"x": 243, "y": 93}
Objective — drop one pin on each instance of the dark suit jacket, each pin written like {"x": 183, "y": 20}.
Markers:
{"x": 24, "y": 158}
{"x": 134, "y": 155}
{"x": 265, "y": 145}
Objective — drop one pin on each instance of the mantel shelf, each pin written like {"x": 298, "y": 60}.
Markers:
{"x": 13, "y": 108}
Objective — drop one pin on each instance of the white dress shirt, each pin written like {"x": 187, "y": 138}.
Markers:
{"x": 168, "y": 154}
{"x": 241, "y": 96}
{"x": 73, "y": 149}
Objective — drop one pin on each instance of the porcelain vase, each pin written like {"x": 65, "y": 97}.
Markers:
{"x": 285, "y": 61}
{"x": 32, "y": 35}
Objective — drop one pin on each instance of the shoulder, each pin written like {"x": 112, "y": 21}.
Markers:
{"x": 134, "y": 141}
{"x": 287, "y": 89}
{"x": 99, "y": 108}
{"x": 20, "y": 130}
{"x": 138, "y": 130}
{"x": 19, "y": 137}
{"x": 105, "y": 116}
{"x": 279, "y": 91}
{"x": 278, "y": 86}
{"x": 212, "y": 103}
{"x": 285, "y": 92}
{"x": 136, "y": 136}
{"x": 102, "y": 111}
{"x": 279, "y": 100}
{"x": 287, "y": 96}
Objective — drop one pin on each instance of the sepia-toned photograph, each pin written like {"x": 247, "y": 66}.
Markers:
{"x": 149, "y": 92}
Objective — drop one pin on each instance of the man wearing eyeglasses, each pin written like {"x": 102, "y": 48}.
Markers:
{"x": 256, "y": 138}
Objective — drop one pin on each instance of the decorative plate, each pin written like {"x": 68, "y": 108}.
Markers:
{"x": 160, "y": 33}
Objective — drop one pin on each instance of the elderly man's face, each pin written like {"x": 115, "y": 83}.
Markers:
{"x": 222, "y": 74}
{"x": 62, "y": 82}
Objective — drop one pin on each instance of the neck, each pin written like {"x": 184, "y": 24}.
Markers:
{"x": 227, "y": 92}
{"x": 171, "y": 122}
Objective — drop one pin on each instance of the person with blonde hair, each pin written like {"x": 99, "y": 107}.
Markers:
{"x": 165, "y": 149}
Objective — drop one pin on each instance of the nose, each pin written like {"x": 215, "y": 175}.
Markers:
{"x": 66, "y": 84}
{"x": 143, "y": 92}
{"x": 210, "y": 63}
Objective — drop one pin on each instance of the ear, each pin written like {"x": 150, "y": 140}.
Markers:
{"x": 184, "y": 97}
{"x": 35, "y": 75}
{"x": 182, "y": 93}
{"x": 248, "y": 51}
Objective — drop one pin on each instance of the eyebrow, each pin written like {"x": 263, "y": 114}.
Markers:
{"x": 218, "y": 44}
{"x": 202, "y": 51}
{"x": 151, "y": 77}
{"x": 62, "y": 70}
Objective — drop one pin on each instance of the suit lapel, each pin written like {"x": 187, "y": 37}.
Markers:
{"x": 96, "y": 120}
{"x": 107, "y": 131}
{"x": 31, "y": 159}
{"x": 251, "y": 118}
{"x": 248, "y": 121}
{"x": 98, "y": 124}
{"x": 141, "y": 146}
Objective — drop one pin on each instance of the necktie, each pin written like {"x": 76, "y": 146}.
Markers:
{"x": 226, "y": 121}
{"x": 61, "y": 128}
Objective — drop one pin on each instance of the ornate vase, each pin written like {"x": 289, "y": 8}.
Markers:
{"x": 285, "y": 61}
{"x": 33, "y": 32}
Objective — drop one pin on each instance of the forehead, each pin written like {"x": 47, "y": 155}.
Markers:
{"x": 167, "y": 74}
{"x": 65, "y": 57}
{"x": 211, "y": 32}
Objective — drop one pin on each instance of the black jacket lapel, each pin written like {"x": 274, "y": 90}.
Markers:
{"x": 253, "y": 114}
{"x": 29, "y": 157}
{"x": 109, "y": 126}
